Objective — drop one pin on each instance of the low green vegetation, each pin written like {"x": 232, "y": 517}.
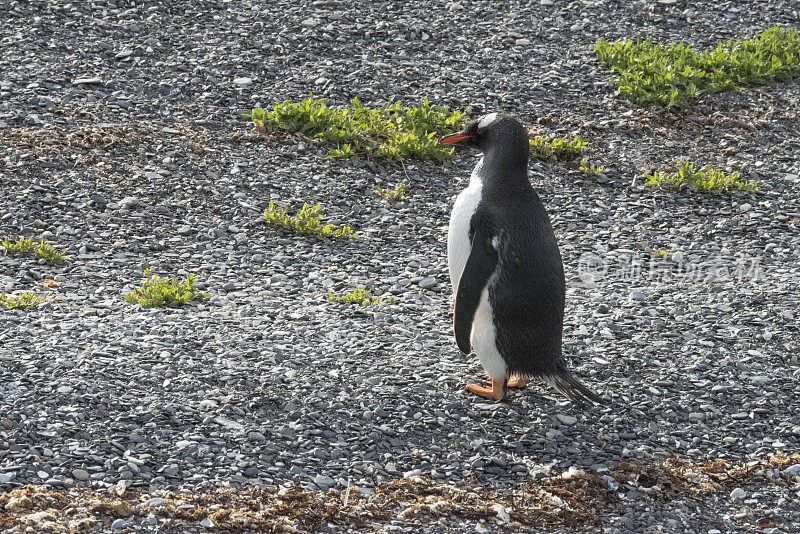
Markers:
{"x": 590, "y": 170}
{"x": 392, "y": 132}
{"x": 705, "y": 180}
{"x": 670, "y": 75}
{"x": 169, "y": 292}
{"x": 657, "y": 252}
{"x": 23, "y": 301}
{"x": 395, "y": 193}
{"x": 40, "y": 250}
{"x": 559, "y": 149}
{"x": 358, "y": 296}
{"x": 306, "y": 223}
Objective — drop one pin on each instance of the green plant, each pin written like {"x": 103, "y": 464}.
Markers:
{"x": 170, "y": 292}
{"x": 559, "y": 149}
{"x": 705, "y": 180}
{"x": 392, "y": 132}
{"x": 306, "y": 223}
{"x": 39, "y": 250}
{"x": 398, "y": 192}
{"x": 358, "y": 296}
{"x": 22, "y": 301}
{"x": 590, "y": 170}
{"x": 669, "y": 75}
{"x": 656, "y": 252}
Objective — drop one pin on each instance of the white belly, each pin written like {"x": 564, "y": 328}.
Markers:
{"x": 482, "y": 340}
{"x": 482, "y": 337}
{"x": 458, "y": 232}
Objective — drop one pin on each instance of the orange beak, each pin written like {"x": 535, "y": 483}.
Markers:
{"x": 454, "y": 138}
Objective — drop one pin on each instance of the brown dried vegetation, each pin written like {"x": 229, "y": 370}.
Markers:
{"x": 573, "y": 500}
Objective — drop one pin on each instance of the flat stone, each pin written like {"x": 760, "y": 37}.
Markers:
{"x": 100, "y": 199}
{"x": 243, "y": 81}
{"x": 87, "y": 81}
{"x": 792, "y": 470}
{"x": 324, "y": 481}
{"x": 80, "y": 474}
{"x": 129, "y": 202}
{"x": 568, "y": 420}
{"x": 427, "y": 282}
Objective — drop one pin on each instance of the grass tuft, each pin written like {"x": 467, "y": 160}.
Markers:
{"x": 559, "y": 149}
{"x": 590, "y": 170}
{"x": 41, "y": 251}
{"x": 395, "y": 193}
{"x": 392, "y": 132}
{"x": 306, "y": 223}
{"x": 657, "y": 252}
{"x": 23, "y": 301}
{"x": 670, "y": 75}
{"x": 170, "y": 292}
{"x": 361, "y": 297}
{"x": 705, "y": 180}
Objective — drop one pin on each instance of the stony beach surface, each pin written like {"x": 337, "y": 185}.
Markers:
{"x": 122, "y": 141}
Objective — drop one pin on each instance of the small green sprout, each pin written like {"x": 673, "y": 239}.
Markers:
{"x": 170, "y": 292}
{"x": 559, "y": 149}
{"x": 398, "y": 192}
{"x": 40, "y": 250}
{"x": 358, "y": 296}
{"x": 23, "y": 301}
{"x": 705, "y": 180}
{"x": 590, "y": 170}
{"x": 656, "y": 252}
{"x": 392, "y": 132}
{"x": 306, "y": 223}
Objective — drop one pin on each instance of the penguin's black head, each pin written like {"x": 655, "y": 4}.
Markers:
{"x": 494, "y": 133}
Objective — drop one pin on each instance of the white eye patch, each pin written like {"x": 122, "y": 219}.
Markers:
{"x": 496, "y": 243}
{"x": 487, "y": 120}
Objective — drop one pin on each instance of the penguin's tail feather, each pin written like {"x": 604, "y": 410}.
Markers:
{"x": 571, "y": 387}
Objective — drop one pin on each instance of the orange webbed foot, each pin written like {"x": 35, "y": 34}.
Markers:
{"x": 517, "y": 381}
{"x": 497, "y": 391}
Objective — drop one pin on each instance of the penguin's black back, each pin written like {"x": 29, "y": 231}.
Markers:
{"x": 527, "y": 290}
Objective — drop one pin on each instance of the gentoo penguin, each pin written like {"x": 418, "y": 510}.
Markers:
{"x": 505, "y": 267}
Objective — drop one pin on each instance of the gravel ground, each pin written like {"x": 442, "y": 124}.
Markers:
{"x": 122, "y": 140}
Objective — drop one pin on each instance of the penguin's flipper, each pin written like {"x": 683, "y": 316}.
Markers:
{"x": 480, "y": 265}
